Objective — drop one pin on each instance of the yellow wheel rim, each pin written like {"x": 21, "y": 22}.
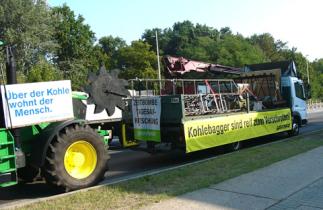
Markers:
{"x": 80, "y": 159}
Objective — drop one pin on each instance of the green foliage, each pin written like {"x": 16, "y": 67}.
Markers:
{"x": 99, "y": 57}
{"x": 317, "y": 79}
{"x": 182, "y": 39}
{"x": 26, "y": 25}
{"x": 318, "y": 65}
{"x": 76, "y": 53}
{"x": 110, "y": 46}
{"x": 271, "y": 48}
{"x": 200, "y": 42}
{"x": 74, "y": 37}
{"x": 43, "y": 71}
{"x": 76, "y": 71}
{"x": 137, "y": 60}
{"x": 203, "y": 43}
{"x": 54, "y": 43}
{"x": 236, "y": 51}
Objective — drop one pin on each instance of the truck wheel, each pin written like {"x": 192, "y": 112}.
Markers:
{"x": 295, "y": 128}
{"x": 234, "y": 146}
{"x": 76, "y": 159}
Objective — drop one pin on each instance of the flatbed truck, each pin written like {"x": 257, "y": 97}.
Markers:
{"x": 197, "y": 114}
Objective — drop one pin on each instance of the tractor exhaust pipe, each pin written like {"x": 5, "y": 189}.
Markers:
{"x": 11, "y": 71}
{"x": 11, "y": 67}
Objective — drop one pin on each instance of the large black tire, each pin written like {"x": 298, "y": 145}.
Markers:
{"x": 295, "y": 128}
{"x": 56, "y": 171}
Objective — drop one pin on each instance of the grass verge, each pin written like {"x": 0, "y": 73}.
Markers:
{"x": 136, "y": 193}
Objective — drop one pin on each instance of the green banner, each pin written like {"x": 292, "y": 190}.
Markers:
{"x": 206, "y": 133}
{"x": 147, "y": 135}
{"x": 146, "y": 118}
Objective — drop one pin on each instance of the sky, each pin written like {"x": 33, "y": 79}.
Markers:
{"x": 298, "y": 22}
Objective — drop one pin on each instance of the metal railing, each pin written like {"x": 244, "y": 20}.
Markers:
{"x": 200, "y": 96}
{"x": 149, "y": 87}
{"x": 314, "y": 105}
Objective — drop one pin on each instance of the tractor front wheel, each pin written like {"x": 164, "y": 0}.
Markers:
{"x": 76, "y": 159}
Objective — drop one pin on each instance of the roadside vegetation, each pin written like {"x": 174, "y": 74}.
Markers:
{"x": 53, "y": 43}
{"x": 140, "y": 192}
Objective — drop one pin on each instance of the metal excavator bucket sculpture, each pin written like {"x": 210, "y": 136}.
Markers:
{"x": 106, "y": 91}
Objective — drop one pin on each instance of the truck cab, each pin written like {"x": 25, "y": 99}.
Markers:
{"x": 293, "y": 92}
{"x": 291, "y": 87}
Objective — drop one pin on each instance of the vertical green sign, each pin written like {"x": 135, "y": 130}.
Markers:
{"x": 146, "y": 118}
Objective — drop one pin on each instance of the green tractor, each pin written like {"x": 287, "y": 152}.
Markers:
{"x": 62, "y": 136}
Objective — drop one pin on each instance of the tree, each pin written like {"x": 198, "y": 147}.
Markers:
{"x": 43, "y": 71}
{"x": 99, "y": 58}
{"x": 74, "y": 37}
{"x": 317, "y": 79}
{"x": 173, "y": 40}
{"x": 25, "y": 24}
{"x": 137, "y": 60}
{"x": 206, "y": 31}
{"x": 76, "y": 71}
{"x": 236, "y": 51}
{"x": 318, "y": 65}
{"x": 224, "y": 32}
{"x": 76, "y": 53}
{"x": 201, "y": 49}
{"x": 200, "y": 42}
{"x": 110, "y": 46}
{"x": 272, "y": 49}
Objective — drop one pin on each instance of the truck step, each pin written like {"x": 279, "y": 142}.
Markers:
{"x": 5, "y": 143}
{"x": 5, "y": 136}
{"x": 7, "y": 164}
{"x": 8, "y": 171}
{"x": 7, "y": 150}
{"x": 6, "y": 157}
{"x": 8, "y": 179}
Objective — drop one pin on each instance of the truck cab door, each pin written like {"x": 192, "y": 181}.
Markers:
{"x": 299, "y": 99}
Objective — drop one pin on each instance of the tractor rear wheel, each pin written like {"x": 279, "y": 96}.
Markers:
{"x": 76, "y": 159}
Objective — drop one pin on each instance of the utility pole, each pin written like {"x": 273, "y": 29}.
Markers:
{"x": 158, "y": 62}
{"x": 308, "y": 75}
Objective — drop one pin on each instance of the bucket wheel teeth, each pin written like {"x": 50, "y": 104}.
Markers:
{"x": 106, "y": 91}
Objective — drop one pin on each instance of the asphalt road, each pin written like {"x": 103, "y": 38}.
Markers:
{"x": 127, "y": 163}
